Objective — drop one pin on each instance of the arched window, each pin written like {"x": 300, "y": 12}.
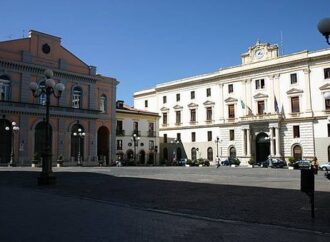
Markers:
{"x": 103, "y": 103}
{"x": 297, "y": 152}
{"x": 193, "y": 154}
{"x": 42, "y": 97}
{"x": 232, "y": 152}
{"x": 76, "y": 97}
{"x": 210, "y": 154}
{"x": 4, "y": 88}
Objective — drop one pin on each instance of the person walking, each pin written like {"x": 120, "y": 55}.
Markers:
{"x": 218, "y": 161}
{"x": 315, "y": 165}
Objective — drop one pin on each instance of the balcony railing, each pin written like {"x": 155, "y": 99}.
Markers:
{"x": 120, "y": 132}
{"x": 151, "y": 133}
{"x": 136, "y": 132}
{"x": 265, "y": 116}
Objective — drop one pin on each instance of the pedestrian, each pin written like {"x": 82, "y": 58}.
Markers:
{"x": 315, "y": 165}
{"x": 218, "y": 161}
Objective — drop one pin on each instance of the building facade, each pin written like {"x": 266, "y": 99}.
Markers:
{"x": 137, "y": 139}
{"x": 269, "y": 105}
{"x": 87, "y": 104}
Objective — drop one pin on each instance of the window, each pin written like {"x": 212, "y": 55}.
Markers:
{"x": 296, "y": 131}
{"x": 151, "y": 144}
{"x": 231, "y": 134}
{"x": 145, "y": 103}
{"x": 193, "y": 136}
{"x": 42, "y": 97}
{"x": 293, "y": 78}
{"x": 178, "y": 117}
{"x": 328, "y": 130}
{"x": 328, "y": 153}
{"x": 151, "y": 130}
{"x": 231, "y": 111}
{"x": 230, "y": 88}
{"x": 193, "y": 154}
{"x": 260, "y": 84}
{"x": 193, "y": 115}
{"x": 327, "y": 104}
{"x": 261, "y": 107}
{"x": 326, "y": 73}
{"x": 178, "y": 137}
{"x": 135, "y": 127}
{"x": 208, "y": 92}
{"x": 209, "y": 114}
{"x": 119, "y": 144}
{"x": 297, "y": 152}
{"x": 232, "y": 153}
{"x": 210, "y": 154}
{"x": 76, "y": 97}
{"x": 192, "y": 95}
{"x": 165, "y": 138}
{"x": 178, "y": 97}
{"x": 103, "y": 100}
{"x": 4, "y": 88}
{"x": 119, "y": 128}
{"x": 164, "y": 99}
{"x": 295, "y": 105}
{"x": 164, "y": 118}
{"x": 209, "y": 135}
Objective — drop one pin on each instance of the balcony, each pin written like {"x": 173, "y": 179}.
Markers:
{"x": 151, "y": 133}
{"x": 136, "y": 132}
{"x": 120, "y": 132}
{"x": 261, "y": 117}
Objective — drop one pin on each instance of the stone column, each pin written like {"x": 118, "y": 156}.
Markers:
{"x": 271, "y": 141}
{"x": 221, "y": 106}
{"x": 277, "y": 132}
{"x": 307, "y": 90}
{"x": 248, "y": 144}
{"x": 270, "y": 105}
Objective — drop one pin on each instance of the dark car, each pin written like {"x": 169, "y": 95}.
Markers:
{"x": 272, "y": 162}
{"x": 302, "y": 164}
{"x": 226, "y": 162}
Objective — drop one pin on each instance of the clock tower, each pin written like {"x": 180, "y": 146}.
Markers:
{"x": 260, "y": 52}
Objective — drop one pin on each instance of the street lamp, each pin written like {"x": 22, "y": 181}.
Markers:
{"x": 324, "y": 28}
{"x": 217, "y": 141}
{"x": 47, "y": 177}
{"x": 80, "y": 134}
{"x": 135, "y": 140}
{"x": 14, "y": 128}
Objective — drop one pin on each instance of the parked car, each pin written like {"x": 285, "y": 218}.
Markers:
{"x": 325, "y": 166}
{"x": 302, "y": 164}
{"x": 226, "y": 162}
{"x": 272, "y": 162}
{"x": 182, "y": 162}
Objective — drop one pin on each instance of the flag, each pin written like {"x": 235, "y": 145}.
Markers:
{"x": 242, "y": 104}
{"x": 250, "y": 112}
{"x": 275, "y": 105}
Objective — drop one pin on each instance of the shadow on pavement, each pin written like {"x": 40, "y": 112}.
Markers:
{"x": 252, "y": 204}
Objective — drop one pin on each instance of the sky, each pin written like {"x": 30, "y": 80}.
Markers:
{"x": 143, "y": 43}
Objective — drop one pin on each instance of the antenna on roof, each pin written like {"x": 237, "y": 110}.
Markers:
{"x": 281, "y": 43}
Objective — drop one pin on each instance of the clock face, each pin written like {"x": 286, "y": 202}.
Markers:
{"x": 259, "y": 54}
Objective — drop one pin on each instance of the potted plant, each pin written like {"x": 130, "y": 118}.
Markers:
{"x": 59, "y": 161}
{"x": 235, "y": 162}
{"x": 291, "y": 161}
{"x": 36, "y": 159}
{"x": 252, "y": 162}
{"x": 102, "y": 160}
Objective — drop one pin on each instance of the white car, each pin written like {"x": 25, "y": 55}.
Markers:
{"x": 325, "y": 166}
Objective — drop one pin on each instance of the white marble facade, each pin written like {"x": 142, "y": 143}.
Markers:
{"x": 275, "y": 105}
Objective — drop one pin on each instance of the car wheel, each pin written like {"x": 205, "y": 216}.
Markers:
{"x": 324, "y": 169}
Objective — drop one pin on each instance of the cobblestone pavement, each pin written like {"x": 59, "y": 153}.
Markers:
{"x": 161, "y": 204}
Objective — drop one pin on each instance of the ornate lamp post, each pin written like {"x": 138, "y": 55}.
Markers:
{"x": 135, "y": 140}
{"x": 324, "y": 28}
{"x": 80, "y": 134}
{"x": 47, "y": 177}
{"x": 13, "y": 128}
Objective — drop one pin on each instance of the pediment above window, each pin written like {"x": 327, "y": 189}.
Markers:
{"x": 178, "y": 107}
{"x": 294, "y": 91}
{"x": 260, "y": 96}
{"x": 164, "y": 109}
{"x": 325, "y": 87}
{"x": 192, "y": 105}
{"x": 231, "y": 100}
{"x": 208, "y": 103}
